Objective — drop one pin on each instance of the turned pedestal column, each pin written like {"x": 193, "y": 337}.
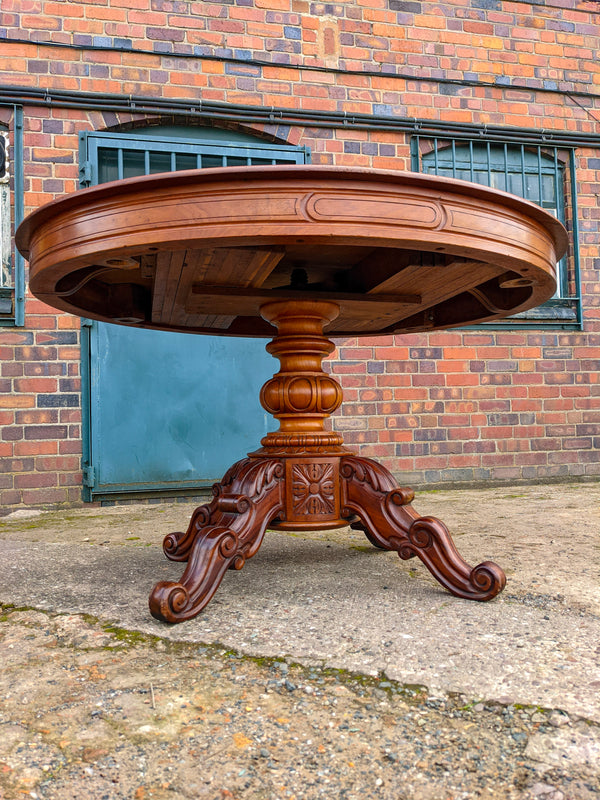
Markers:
{"x": 303, "y": 478}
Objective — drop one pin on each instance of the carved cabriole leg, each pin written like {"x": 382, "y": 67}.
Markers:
{"x": 369, "y": 490}
{"x": 221, "y": 535}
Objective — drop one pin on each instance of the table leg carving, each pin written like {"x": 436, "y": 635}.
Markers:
{"x": 177, "y": 545}
{"x": 304, "y": 478}
{"x": 222, "y": 534}
{"x": 391, "y": 523}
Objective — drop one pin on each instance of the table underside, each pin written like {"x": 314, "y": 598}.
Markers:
{"x": 202, "y": 251}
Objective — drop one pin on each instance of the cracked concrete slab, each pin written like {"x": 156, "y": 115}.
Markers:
{"x": 329, "y": 598}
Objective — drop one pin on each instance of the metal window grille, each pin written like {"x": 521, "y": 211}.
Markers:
{"x": 6, "y": 277}
{"x": 117, "y": 156}
{"x": 533, "y": 172}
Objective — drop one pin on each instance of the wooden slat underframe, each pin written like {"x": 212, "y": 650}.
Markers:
{"x": 176, "y": 271}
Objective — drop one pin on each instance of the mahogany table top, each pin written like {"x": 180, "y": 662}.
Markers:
{"x": 202, "y": 250}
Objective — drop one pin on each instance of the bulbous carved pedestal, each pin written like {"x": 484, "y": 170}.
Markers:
{"x": 304, "y": 478}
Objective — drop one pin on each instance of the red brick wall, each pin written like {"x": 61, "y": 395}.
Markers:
{"x": 449, "y": 407}
{"x": 455, "y": 407}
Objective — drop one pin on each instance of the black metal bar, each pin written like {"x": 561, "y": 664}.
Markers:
{"x": 225, "y": 111}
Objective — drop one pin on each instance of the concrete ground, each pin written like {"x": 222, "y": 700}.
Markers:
{"x": 330, "y": 600}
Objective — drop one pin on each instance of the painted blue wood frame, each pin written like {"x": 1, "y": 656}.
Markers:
{"x": 13, "y": 296}
{"x": 167, "y": 412}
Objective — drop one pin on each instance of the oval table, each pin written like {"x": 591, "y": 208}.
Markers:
{"x": 296, "y": 254}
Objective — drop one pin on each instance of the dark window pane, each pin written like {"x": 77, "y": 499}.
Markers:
{"x": 134, "y": 163}
{"x": 186, "y": 161}
{"x": 211, "y": 161}
{"x": 548, "y": 191}
{"x": 160, "y": 162}
{"x": 2, "y": 156}
{"x": 515, "y": 184}
{"x": 108, "y": 164}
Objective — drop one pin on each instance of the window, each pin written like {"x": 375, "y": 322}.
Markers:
{"x": 12, "y": 263}
{"x": 114, "y": 156}
{"x": 6, "y": 271}
{"x": 535, "y": 172}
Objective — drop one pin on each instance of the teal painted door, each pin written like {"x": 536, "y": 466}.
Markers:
{"x": 171, "y": 410}
{"x": 168, "y": 411}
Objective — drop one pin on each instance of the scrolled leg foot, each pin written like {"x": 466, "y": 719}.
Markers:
{"x": 213, "y": 553}
{"x": 430, "y": 540}
{"x": 234, "y": 526}
{"x": 169, "y": 601}
{"x": 390, "y": 522}
{"x": 488, "y": 578}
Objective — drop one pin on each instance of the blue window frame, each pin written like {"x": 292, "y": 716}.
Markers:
{"x": 12, "y": 263}
{"x": 6, "y": 270}
{"x": 540, "y": 174}
{"x": 114, "y": 156}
